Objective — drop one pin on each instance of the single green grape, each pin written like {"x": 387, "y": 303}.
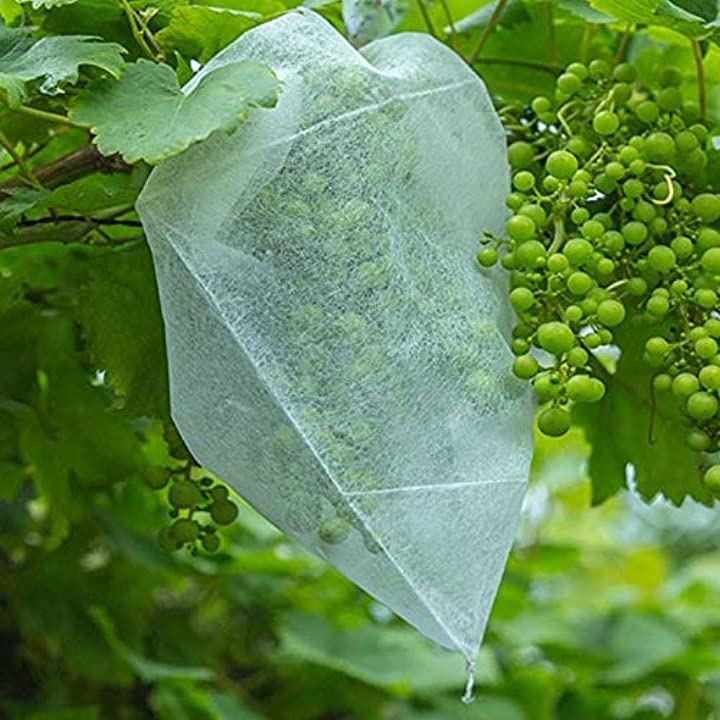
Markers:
{"x": 561, "y": 164}
{"x": 184, "y": 494}
{"x": 611, "y": 312}
{"x": 554, "y": 421}
{"x": 586, "y": 389}
{"x": 556, "y": 337}
{"x": 702, "y": 405}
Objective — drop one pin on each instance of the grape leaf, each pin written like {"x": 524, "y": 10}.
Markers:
{"x": 52, "y": 60}
{"x": 619, "y": 429}
{"x": 655, "y": 12}
{"x": 145, "y": 115}
{"x": 119, "y": 312}
{"x": 200, "y": 32}
{"x": 46, "y": 4}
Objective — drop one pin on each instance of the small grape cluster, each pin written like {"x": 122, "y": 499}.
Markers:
{"x": 188, "y": 498}
{"x": 613, "y": 216}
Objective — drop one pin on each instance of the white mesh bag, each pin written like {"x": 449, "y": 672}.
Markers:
{"x": 334, "y": 353}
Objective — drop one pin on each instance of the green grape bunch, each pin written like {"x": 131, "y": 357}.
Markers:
{"x": 614, "y": 218}
{"x": 198, "y": 506}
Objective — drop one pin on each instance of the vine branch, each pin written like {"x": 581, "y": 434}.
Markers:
{"x": 702, "y": 90}
{"x": 487, "y": 30}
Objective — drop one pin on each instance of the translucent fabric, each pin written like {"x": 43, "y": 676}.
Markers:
{"x": 335, "y": 355}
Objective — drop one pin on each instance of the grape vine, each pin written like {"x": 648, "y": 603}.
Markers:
{"x": 614, "y": 224}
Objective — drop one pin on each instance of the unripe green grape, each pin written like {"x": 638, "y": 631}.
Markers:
{"x": 568, "y": 83}
{"x": 700, "y": 132}
{"x": 615, "y": 170}
{"x": 519, "y": 346}
{"x": 577, "y": 146}
{"x": 658, "y": 306}
{"x": 541, "y": 105}
{"x": 684, "y": 385}
{"x": 219, "y": 492}
{"x": 698, "y": 332}
{"x": 579, "y": 69}
{"x": 606, "y": 122}
{"x": 210, "y": 543}
{"x": 167, "y": 541}
{"x": 633, "y": 188}
{"x": 520, "y": 227}
{"x": 637, "y": 286}
{"x": 592, "y": 340}
{"x": 557, "y": 262}
{"x": 628, "y": 154}
{"x": 592, "y": 229}
{"x": 334, "y": 530}
{"x": 712, "y": 325}
{"x": 578, "y": 189}
{"x": 586, "y": 389}
{"x": 657, "y": 346}
{"x": 522, "y": 330}
{"x": 658, "y": 226}
{"x": 223, "y": 512}
{"x": 577, "y": 356}
{"x": 515, "y": 200}
{"x": 611, "y": 312}
{"x": 487, "y": 257}
{"x": 554, "y": 422}
{"x": 707, "y": 238}
{"x": 670, "y": 99}
{"x": 522, "y": 299}
{"x": 662, "y": 382}
{"x": 701, "y": 405}
{"x": 589, "y": 306}
{"x": 686, "y": 141}
{"x": 705, "y": 298}
{"x": 579, "y": 283}
{"x": 625, "y": 72}
{"x": 546, "y": 386}
{"x": 648, "y": 112}
{"x": 184, "y": 494}
{"x": 521, "y": 154}
{"x": 579, "y": 215}
{"x": 605, "y": 267}
{"x": 530, "y": 254}
{"x": 659, "y": 147}
{"x": 613, "y": 241}
{"x": 679, "y": 288}
{"x": 712, "y": 478}
{"x": 535, "y": 212}
{"x": 550, "y": 183}
{"x": 577, "y": 251}
{"x": 508, "y": 261}
{"x": 573, "y": 314}
{"x": 184, "y": 531}
{"x": 524, "y": 180}
{"x": 705, "y": 347}
{"x": 582, "y": 175}
{"x": 662, "y": 258}
{"x": 156, "y": 478}
{"x": 621, "y": 92}
{"x": 555, "y": 337}
{"x": 526, "y": 367}
{"x": 634, "y": 232}
{"x": 643, "y": 211}
{"x": 707, "y": 207}
{"x": 561, "y": 164}
{"x": 711, "y": 260}
{"x": 682, "y": 246}
{"x": 698, "y": 440}
{"x": 599, "y": 69}
{"x": 710, "y": 377}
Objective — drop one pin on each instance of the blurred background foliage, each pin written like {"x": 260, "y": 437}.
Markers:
{"x": 605, "y": 612}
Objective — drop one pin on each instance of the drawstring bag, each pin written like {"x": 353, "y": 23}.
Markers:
{"x": 334, "y": 353}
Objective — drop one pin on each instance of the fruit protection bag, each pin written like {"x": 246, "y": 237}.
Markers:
{"x": 335, "y": 355}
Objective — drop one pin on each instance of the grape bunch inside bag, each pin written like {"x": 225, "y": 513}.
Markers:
{"x": 334, "y": 353}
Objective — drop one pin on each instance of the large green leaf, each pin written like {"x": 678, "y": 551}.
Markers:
{"x": 120, "y": 315}
{"x": 631, "y": 427}
{"x": 51, "y": 60}
{"x": 200, "y": 32}
{"x": 393, "y": 658}
{"x": 145, "y": 115}
{"x": 656, "y": 12}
